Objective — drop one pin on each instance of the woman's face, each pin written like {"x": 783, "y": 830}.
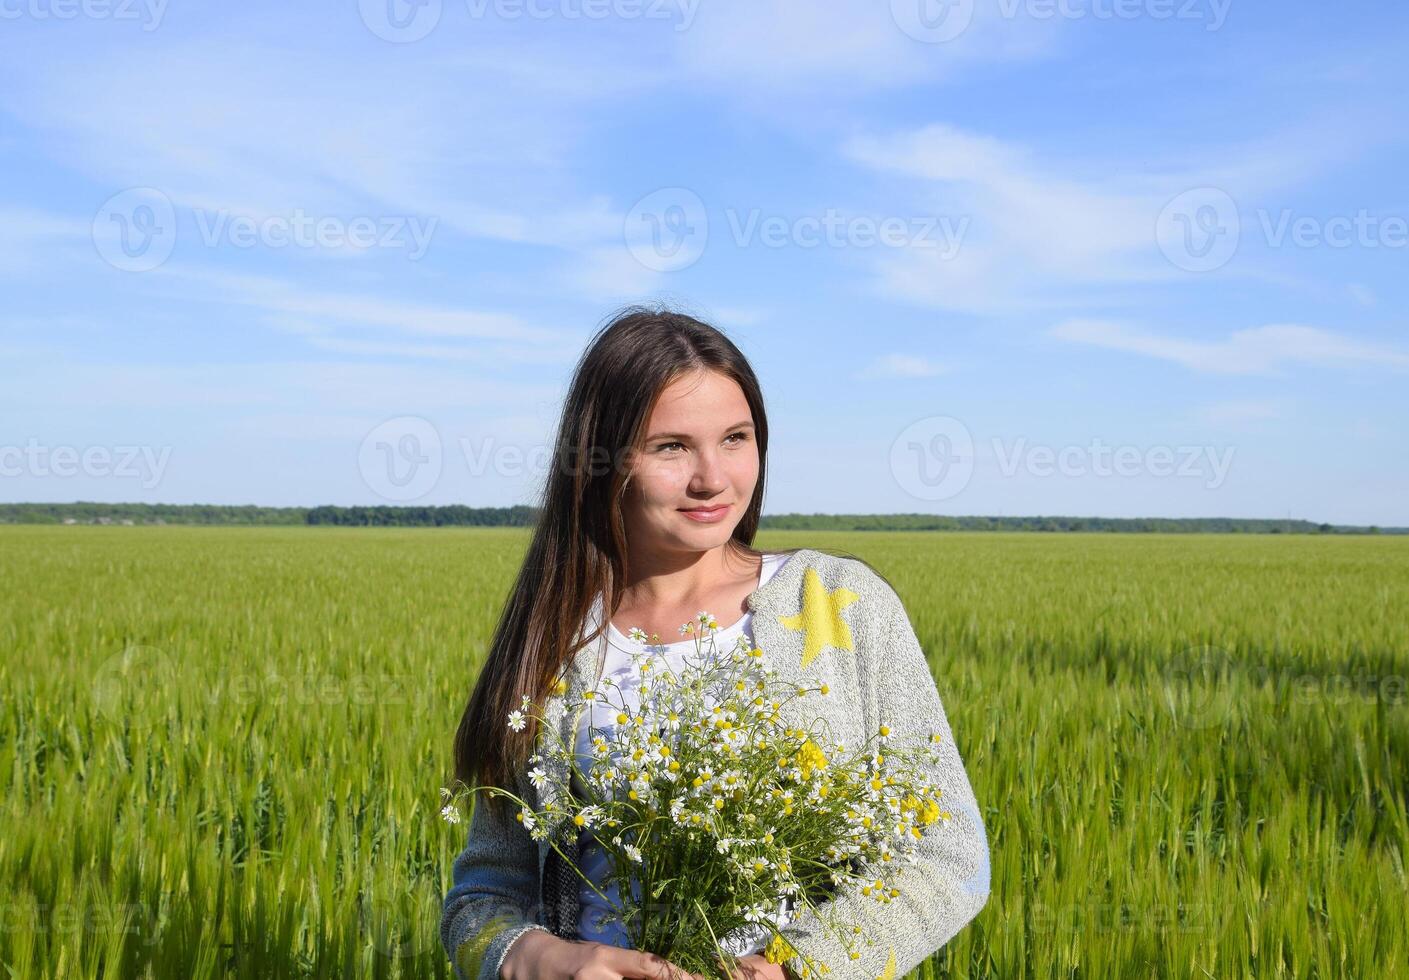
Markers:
{"x": 699, "y": 452}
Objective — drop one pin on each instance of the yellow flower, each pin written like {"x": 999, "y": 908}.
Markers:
{"x": 926, "y": 811}
{"x": 810, "y": 757}
{"x": 778, "y": 950}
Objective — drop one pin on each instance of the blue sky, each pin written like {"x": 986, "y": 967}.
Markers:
{"x": 1091, "y": 257}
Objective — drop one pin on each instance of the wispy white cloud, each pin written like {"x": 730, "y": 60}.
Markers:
{"x": 31, "y": 239}
{"x": 1051, "y": 234}
{"x": 736, "y": 316}
{"x": 1239, "y": 412}
{"x": 327, "y": 318}
{"x": 902, "y": 366}
{"x": 847, "y": 45}
{"x": 1256, "y": 350}
{"x": 234, "y": 389}
{"x": 608, "y": 273}
{"x": 1361, "y": 293}
{"x": 332, "y": 135}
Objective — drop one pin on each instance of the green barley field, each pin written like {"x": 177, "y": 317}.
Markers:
{"x": 222, "y": 747}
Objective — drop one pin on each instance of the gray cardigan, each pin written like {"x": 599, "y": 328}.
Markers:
{"x": 820, "y": 618}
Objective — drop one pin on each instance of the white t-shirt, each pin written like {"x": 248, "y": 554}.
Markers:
{"x": 594, "y": 861}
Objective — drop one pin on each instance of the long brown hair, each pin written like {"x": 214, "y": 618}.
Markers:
{"x": 578, "y": 549}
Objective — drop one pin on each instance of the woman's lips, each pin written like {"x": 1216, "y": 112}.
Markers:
{"x": 707, "y": 516}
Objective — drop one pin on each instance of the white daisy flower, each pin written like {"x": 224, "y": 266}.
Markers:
{"x": 633, "y": 852}
{"x": 517, "y": 720}
{"x": 755, "y": 913}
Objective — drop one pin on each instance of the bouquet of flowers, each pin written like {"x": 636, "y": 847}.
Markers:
{"x": 714, "y": 814}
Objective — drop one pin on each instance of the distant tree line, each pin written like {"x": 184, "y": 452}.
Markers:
{"x": 453, "y": 514}
{"x": 87, "y": 512}
{"x": 1124, "y": 525}
{"x": 458, "y": 515}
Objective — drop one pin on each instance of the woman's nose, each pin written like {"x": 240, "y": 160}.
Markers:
{"x": 709, "y": 472}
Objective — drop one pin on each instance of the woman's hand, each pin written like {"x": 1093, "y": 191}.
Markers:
{"x": 755, "y": 966}
{"x": 539, "y": 955}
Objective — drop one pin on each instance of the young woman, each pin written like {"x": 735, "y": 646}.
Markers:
{"x": 647, "y": 517}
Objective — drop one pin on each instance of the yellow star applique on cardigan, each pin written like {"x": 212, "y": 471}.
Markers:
{"x": 889, "y": 972}
{"x": 820, "y": 618}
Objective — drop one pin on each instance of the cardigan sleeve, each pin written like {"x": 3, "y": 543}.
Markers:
{"x": 492, "y": 893}
{"x": 949, "y": 882}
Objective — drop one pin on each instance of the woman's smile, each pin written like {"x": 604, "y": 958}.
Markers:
{"x": 708, "y": 515}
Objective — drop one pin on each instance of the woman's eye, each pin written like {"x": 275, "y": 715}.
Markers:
{"x": 741, "y": 436}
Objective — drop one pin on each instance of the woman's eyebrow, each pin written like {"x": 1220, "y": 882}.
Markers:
{"x": 685, "y": 435}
